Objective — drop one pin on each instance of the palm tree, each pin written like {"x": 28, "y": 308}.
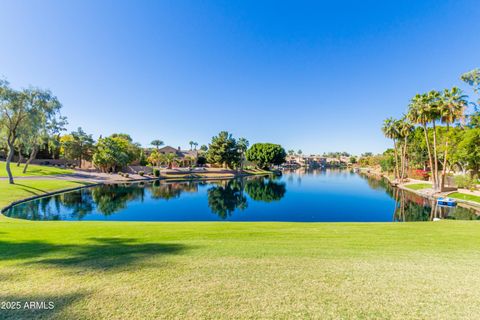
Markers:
{"x": 191, "y": 144}
{"x": 390, "y": 130}
{"x": 242, "y": 146}
{"x": 452, "y": 108}
{"x": 195, "y": 144}
{"x": 417, "y": 113}
{"x": 169, "y": 159}
{"x": 157, "y": 143}
{"x": 404, "y": 128}
{"x": 299, "y": 152}
{"x": 291, "y": 152}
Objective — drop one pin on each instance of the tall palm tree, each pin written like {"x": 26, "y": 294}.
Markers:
{"x": 157, "y": 143}
{"x": 242, "y": 146}
{"x": 404, "y": 128}
{"x": 452, "y": 108}
{"x": 191, "y": 144}
{"x": 195, "y": 144}
{"x": 417, "y": 113}
{"x": 390, "y": 130}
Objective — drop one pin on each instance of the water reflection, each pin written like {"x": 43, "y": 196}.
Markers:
{"x": 313, "y": 195}
{"x": 413, "y": 207}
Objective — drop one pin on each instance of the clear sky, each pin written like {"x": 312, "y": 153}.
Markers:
{"x": 311, "y": 75}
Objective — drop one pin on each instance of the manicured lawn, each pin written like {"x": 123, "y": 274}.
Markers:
{"x": 27, "y": 188}
{"x": 464, "y": 196}
{"x": 121, "y": 270}
{"x": 418, "y": 186}
{"x": 33, "y": 170}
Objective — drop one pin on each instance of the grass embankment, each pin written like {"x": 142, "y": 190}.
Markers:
{"x": 33, "y": 170}
{"x": 28, "y": 188}
{"x": 464, "y": 196}
{"x": 418, "y": 186}
{"x": 101, "y": 270}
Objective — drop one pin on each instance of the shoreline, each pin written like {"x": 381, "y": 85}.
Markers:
{"x": 89, "y": 183}
{"x": 427, "y": 195}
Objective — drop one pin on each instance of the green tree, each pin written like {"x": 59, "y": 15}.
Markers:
{"x": 78, "y": 145}
{"x": 390, "y": 129}
{"x": 452, "y": 108}
{"x": 204, "y": 148}
{"x": 223, "y": 150}
{"x": 242, "y": 146}
{"x": 265, "y": 155}
{"x": 157, "y": 143}
{"x": 115, "y": 152}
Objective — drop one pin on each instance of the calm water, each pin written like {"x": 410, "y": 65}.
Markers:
{"x": 318, "y": 195}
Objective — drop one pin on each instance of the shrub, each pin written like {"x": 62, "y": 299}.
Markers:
{"x": 465, "y": 181}
{"x": 126, "y": 175}
{"x": 141, "y": 173}
{"x": 420, "y": 174}
{"x": 120, "y": 173}
{"x": 156, "y": 172}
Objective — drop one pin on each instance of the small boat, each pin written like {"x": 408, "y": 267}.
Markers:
{"x": 449, "y": 202}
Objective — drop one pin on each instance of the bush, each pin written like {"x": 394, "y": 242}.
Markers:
{"x": 126, "y": 175}
{"x": 420, "y": 174}
{"x": 465, "y": 181}
{"x": 120, "y": 173}
{"x": 141, "y": 173}
{"x": 156, "y": 172}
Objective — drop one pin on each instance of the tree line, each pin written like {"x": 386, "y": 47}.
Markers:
{"x": 31, "y": 121}
{"x": 436, "y": 135}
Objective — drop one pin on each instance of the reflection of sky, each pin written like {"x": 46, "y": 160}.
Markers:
{"x": 330, "y": 195}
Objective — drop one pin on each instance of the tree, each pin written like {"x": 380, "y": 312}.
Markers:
{"x": 155, "y": 158}
{"x": 204, "y": 148}
{"x": 242, "y": 146}
{"x": 78, "y": 145}
{"x": 452, "y": 108}
{"x": 419, "y": 113}
{"x": 469, "y": 151}
{"x": 299, "y": 152}
{"x": 169, "y": 159}
{"x": 115, "y": 152}
{"x": 473, "y": 79}
{"x": 223, "y": 150}
{"x": 291, "y": 152}
{"x": 18, "y": 111}
{"x": 157, "y": 143}
{"x": 195, "y": 144}
{"x": 390, "y": 130}
{"x": 265, "y": 155}
{"x": 191, "y": 143}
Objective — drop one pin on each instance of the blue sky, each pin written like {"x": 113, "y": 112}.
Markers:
{"x": 311, "y": 75}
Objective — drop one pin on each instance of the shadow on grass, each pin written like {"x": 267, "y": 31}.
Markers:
{"x": 38, "y": 307}
{"x": 97, "y": 254}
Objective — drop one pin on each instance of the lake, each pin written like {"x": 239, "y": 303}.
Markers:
{"x": 302, "y": 195}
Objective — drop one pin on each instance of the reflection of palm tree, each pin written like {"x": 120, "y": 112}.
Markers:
{"x": 223, "y": 200}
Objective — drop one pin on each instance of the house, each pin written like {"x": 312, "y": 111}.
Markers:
{"x": 182, "y": 154}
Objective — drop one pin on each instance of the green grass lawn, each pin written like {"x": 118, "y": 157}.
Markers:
{"x": 463, "y": 196}
{"x": 27, "y": 188}
{"x": 418, "y": 186}
{"x": 125, "y": 270}
{"x": 33, "y": 170}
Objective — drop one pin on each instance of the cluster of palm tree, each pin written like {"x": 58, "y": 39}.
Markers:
{"x": 427, "y": 110}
